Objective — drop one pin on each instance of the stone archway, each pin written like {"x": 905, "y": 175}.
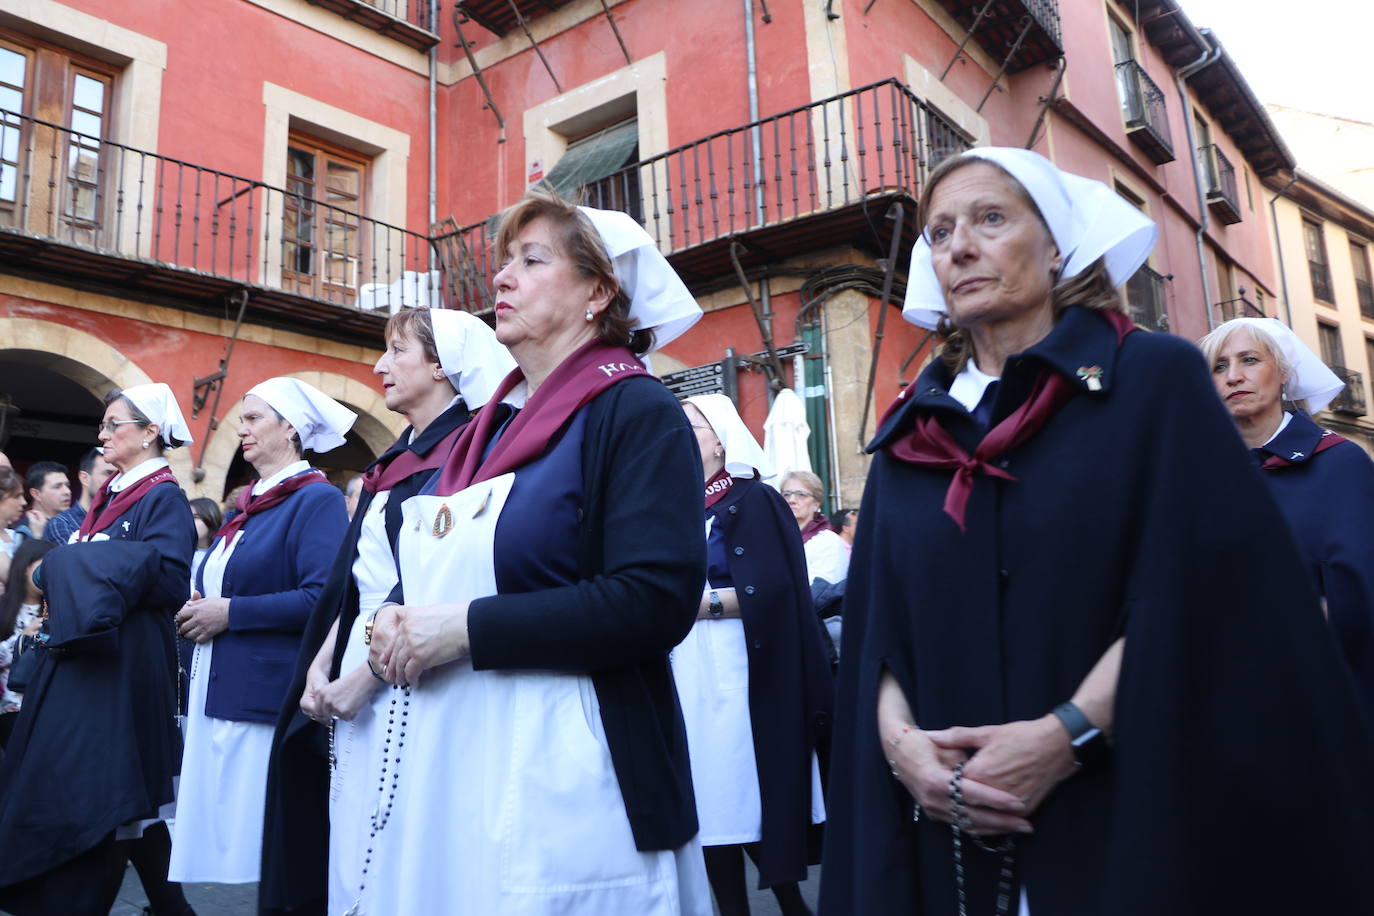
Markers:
{"x": 82, "y": 358}
{"x": 376, "y": 426}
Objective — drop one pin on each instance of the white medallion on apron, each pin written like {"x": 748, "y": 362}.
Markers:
{"x": 502, "y": 798}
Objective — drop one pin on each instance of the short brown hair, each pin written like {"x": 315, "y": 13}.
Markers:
{"x": 809, "y": 481}
{"x": 1091, "y": 288}
{"x": 417, "y": 323}
{"x": 579, "y": 240}
{"x": 10, "y": 483}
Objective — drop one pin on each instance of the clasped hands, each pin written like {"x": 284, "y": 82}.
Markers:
{"x": 407, "y": 640}
{"x": 1009, "y": 770}
{"x": 202, "y": 619}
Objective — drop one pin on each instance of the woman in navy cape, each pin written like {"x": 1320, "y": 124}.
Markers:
{"x": 96, "y": 745}
{"x": 1323, "y": 483}
{"x": 438, "y": 366}
{"x": 755, "y": 687}
{"x": 1084, "y": 671}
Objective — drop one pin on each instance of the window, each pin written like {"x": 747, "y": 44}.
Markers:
{"x": 321, "y": 242}
{"x": 1315, "y": 244}
{"x": 594, "y": 168}
{"x": 1369, "y": 356}
{"x": 54, "y": 117}
{"x": 1329, "y": 336}
{"x": 1359, "y": 266}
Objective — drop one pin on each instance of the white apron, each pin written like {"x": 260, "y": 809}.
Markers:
{"x": 506, "y": 803}
{"x": 357, "y": 743}
{"x": 217, "y": 835}
{"x": 711, "y": 670}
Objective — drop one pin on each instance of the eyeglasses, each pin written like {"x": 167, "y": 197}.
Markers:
{"x": 799, "y": 494}
{"x": 112, "y": 426}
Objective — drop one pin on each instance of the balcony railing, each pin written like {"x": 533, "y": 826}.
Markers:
{"x": 1219, "y": 179}
{"x": 1032, "y": 27}
{"x": 1321, "y": 281}
{"x": 109, "y": 199}
{"x": 1351, "y": 399}
{"x": 1145, "y": 299}
{"x": 1144, "y": 111}
{"x": 879, "y": 139}
{"x": 1365, "y": 294}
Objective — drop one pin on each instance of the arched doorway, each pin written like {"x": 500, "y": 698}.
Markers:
{"x": 56, "y": 377}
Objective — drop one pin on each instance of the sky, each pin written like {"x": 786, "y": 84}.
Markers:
{"x": 1312, "y": 54}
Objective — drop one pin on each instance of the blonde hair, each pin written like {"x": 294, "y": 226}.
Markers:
{"x": 1091, "y": 288}
{"x": 1212, "y": 344}
{"x": 809, "y": 481}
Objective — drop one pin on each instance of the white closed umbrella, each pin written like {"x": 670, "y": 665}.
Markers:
{"x": 785, "y": 433}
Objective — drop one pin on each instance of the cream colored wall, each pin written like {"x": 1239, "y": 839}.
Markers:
{"x": 1307, "y": 311}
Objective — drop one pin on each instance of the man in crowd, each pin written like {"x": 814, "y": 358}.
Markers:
{"x": 50, "y": 494}
{"x": 92, "y": 473}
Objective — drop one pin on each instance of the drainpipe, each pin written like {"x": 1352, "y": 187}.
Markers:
{"x": 1278, "y": 245}
{"x": 756, "y": 133}
{"x": 433, "y": 92}
{"x": 1180, "y": 78}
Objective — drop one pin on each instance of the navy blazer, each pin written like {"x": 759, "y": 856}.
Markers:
{"x": 272, "y": 580}
{"x": 1327, "y": 498}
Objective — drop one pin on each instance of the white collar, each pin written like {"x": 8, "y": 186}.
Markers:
{"x": 291, "y": 470}
{"x": 1282, "y": 424}
{"x": 137, "y": 473}
{"x": 969, "y": 386}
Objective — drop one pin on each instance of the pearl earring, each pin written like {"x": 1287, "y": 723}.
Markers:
{"x": 438, "y": 374}
{"x": 589, "y": 316}
{"x": 145, "y": 443}
{"x": 720, "y": 452}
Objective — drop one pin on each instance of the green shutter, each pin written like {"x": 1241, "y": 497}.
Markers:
{"x": 592, "y": 158}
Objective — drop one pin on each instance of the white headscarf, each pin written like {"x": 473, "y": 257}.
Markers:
{"x": 742, "y": 451}
{"x": 658, "y": 297}
{"x": 156, "y": 402}
{"x": 319, "y": 420}
{"x": 1087, "y": 220}
{"x": 1310, "y": 383}
{"x": 470, "y": 355}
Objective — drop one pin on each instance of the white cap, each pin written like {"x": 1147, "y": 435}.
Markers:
{"x": 1087, "y": 220}
{"x": 156, "y": 402}
{"x": 742, "y": 451}
{"x": 1310, "y": 382}
{"x": 319, "y": 420}
{"x": 470, "y": 355}
{"x": 658, "y": 297}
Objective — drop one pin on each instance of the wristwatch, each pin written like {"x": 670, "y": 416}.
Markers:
{"x": 714, "y": 607}
{"x": 1087, "y": 740}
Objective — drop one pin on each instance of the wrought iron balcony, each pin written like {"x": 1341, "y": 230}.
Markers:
{"x": 408, "y": 21}
{"x": 1145, "y": 299}
{"x": 1219, "y": 180}
{"x": 1031, "y": 27}
{"x": 1144, "y": 111}
{"x": 101, "y": 213}
{"x": 783, "y": 173}
{"x": 1351, "y": 399}
{"x": 1365, "y": 294}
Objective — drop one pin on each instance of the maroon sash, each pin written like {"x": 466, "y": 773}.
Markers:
{"x": 1328, "y": 439}
{"x": 383, "y": 477}
{"x": 929, "y": 445}
{"x": 104, "y": 510}
{"x": 815, "y": 526}
{"x": 590, "y": 370}
{"x": 716, "y": 488}
{"x": 250, "y": 505}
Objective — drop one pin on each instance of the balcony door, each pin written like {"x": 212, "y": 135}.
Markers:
{"x": 322, "y": 245}
{"x": 54, "y": 117}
